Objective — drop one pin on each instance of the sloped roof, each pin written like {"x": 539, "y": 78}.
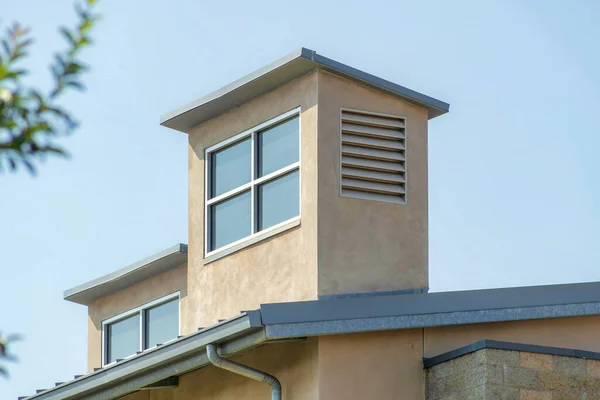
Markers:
{"x": 148, "y": 267}
{"x": 278, "y": 73}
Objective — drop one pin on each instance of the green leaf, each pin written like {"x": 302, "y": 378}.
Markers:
{"x": 6, "y": 46}
{"x": 26, "y": 43}
{"x": 74, "y": 68}
{"x": 28, "y": 165}
{"x": 68, "y": 35}
{"x": 54, "y": 150}
{"x": 75, "y": 84}
{"x": 86, "y": 25}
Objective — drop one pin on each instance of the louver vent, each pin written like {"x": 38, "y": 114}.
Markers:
{"x": 373, "y": 156}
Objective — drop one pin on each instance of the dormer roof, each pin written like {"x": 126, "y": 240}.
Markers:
{"x": 278, "y": 73}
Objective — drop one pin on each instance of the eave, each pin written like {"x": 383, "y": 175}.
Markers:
{"x": 280, "y": 72}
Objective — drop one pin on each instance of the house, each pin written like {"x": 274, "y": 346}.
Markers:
{"x": 306, "y": 273}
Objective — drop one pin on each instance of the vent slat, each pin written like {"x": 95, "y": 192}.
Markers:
{"x": 372, "y": 131}
{"x": 373, "y": 120}
{"x": 357, "y": 194}
{"x": 372, "y": 142}
{"x": 379, "y": 176}
{"x": 372, "y": 164}
{"x": 369, "y": 186}
{"x": 376, "y": 154}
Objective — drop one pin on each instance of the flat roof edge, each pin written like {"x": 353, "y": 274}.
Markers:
{"x": 122, "y": 278}
{"x": 400, "y": 322}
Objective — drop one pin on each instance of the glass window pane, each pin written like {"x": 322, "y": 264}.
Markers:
{"x": 162, "y": 323}
{"x": 123, "y": 338}
{"x": 230, "y": 220}
{"x": 278, "y": 146}
{"x": 279, "y": 200}
{"x": 230, "y": 168}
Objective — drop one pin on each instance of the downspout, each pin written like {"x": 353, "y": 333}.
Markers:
{"x": 244, "y": 370}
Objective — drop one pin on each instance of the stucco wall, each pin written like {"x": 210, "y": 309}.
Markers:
{"x": 381, "y": 365}
{"x": 141, "y": 293}
{"x": 293, "y": 363}
{"x": 576, "y": 332}
{"x": 282, "y": 268}
{"x": 514, "y": 375}
{"x": 366, "y": 245}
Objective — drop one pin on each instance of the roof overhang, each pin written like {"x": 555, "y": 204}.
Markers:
{"x": 148, "y": 267}
{"x": 278, "y": 73}
{"x": 284, "y": 321}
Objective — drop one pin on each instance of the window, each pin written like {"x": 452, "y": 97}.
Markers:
{"x": 253, "y": 183}
{"x": 140, "y": 329}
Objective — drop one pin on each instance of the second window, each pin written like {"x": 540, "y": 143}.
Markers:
{"x": 253, "y": 181}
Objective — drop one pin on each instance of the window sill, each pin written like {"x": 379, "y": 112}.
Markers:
{"x": 251, "y": 240}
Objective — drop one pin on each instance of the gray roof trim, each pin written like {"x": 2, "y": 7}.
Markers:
{"x": 148, "y": 267}
{"x": 455, "y": 303}
{"x": 385, "y": 323}
{"x": 176, "y": 358}
{"x": 511, "y": 346}
{"x": 277, "y": 73}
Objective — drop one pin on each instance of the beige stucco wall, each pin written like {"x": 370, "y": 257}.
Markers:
{"x": 380, "y": 365}
{"x": 293, "y": 363}
{"x": 141, "y": 293}
{"x": 575, "y": 333}
{"x": 282, "y": 268}
{"x": 365, "y": 245}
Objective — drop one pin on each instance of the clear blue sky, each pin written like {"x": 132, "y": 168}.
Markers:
{"x": 514, "y": 167}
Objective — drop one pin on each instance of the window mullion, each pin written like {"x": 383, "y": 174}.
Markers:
{"x": 142, "y": 333}
{"x": 252, "y": 177}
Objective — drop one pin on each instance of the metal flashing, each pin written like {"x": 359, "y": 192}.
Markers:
{"x": 157, "y": 364}
{"x": 148, "y": 267}
{"x": 396, "y": 322}
{"x": 372, "y": 294}
{"x": 277, "y": 73}
{"x": 511, "y": 346}
{"x": 541, "y": 301}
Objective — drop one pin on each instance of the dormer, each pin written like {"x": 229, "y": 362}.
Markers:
{"x": 307, "y": 180}
{"x": 134, "y": 308}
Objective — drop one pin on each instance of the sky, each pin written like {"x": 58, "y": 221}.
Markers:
{"x": 513, "y": 168}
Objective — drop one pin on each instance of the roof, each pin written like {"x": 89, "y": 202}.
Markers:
{"x": 148, "y": 267}
{"x": 278, "y": 73}
{"x": 510, "y": 346}
{"x": 296, "y": 320}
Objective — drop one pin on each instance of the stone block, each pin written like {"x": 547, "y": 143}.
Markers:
{"x": 569, "y": 365}
{"x": 468, "y": 362}
{"x": 441, "y": 370}
{"x": 498, "y": 392}
{"x": 593, "y": 368}
{"x": 520, "y": 377}
{"x": 556, "y": 381}
{"x": 502, "y": 357}
{"x": 542, "y": 362}
{"x": 568, "y": 396}
{"x": 527, "y": 394}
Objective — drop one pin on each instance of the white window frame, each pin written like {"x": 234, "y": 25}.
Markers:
{"x": 140, "y": 311}
{"x": 254, "y": 237}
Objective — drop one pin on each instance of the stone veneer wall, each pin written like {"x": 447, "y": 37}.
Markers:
{"x": 513, "y": 375}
